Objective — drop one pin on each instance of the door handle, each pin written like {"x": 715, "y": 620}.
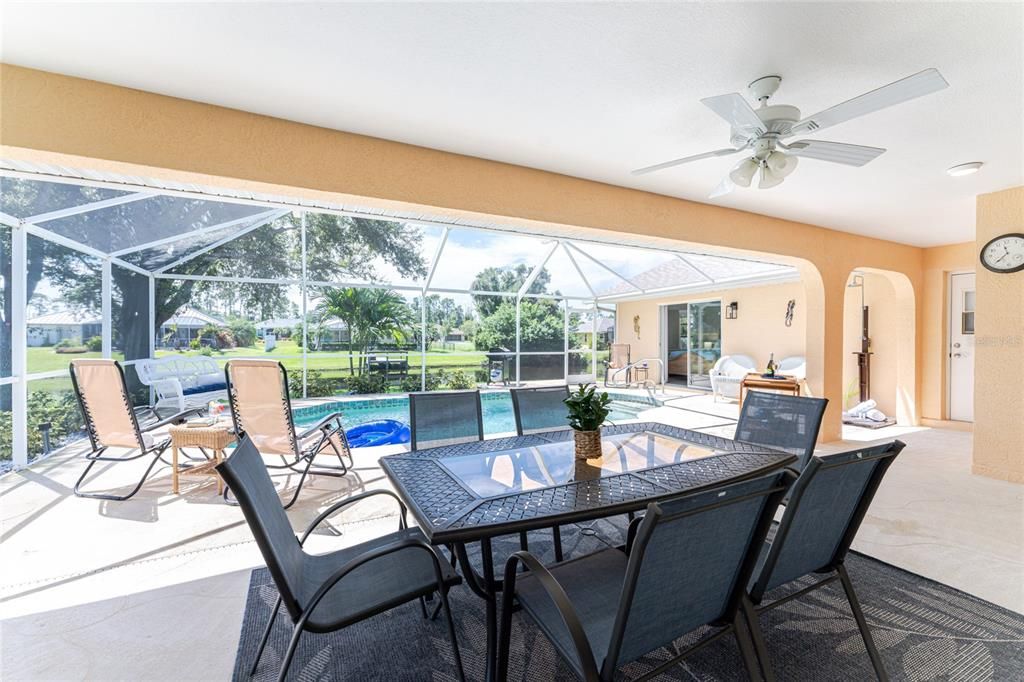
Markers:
{"x": 956, "y": 355}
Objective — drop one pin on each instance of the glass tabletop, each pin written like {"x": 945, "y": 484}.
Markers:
{"x": 553, "y": 464}
{"x": 485, "y": 488}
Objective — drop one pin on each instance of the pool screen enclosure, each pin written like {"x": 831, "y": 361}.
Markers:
{"x": 131, "y": 268}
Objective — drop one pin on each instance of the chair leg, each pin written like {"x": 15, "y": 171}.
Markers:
{"x": 524, "y": 542}
{"x": 114, "y": 498}
{"x": 746, "y": 648}
{"x": 266, "y": 636}
{"x": 451, "y": 632}
{"x": 862, "y": 625}
{"x": 302, "y": 479}
{"x": 292, "y": 646}
{"x": 504, "y": 636}
{"x": 556, "y": 534}
{"x": 423, "y": 608}
{"x": 757, "y": 636}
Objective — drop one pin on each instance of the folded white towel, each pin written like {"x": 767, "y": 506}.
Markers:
{"x": 861, "y": 409}
{"x": 875, "y": 415}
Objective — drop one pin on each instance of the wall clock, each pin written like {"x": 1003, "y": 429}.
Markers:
{"x": 1004, "y": 254}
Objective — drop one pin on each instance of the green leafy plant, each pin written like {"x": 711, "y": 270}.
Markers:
{"x": 588, "y": 409}
{"x": 243, "y": 332}
{"x": 94, "y": 344}
{"x": 367, "y": 383}
{"x": 459, "y": 380}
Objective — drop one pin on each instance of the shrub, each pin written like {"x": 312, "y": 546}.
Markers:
{"x": 206, "y": 351}
{"x": 59, "y": 409}
{"x": 94, "y": 344}
{"x": 410, "y": 383}
{"x": 458, "y": 380}
{"x": 68, "y": 343}
{"x": 317, "y": 385}
{"x": 367, "y": 383}
{"x": 243, "y": 332}
{"x": 194, "y": 344}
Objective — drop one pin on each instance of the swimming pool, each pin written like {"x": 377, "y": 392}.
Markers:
{"x": 497, "y": 410}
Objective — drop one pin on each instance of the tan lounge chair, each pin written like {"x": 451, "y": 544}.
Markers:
{"x": 112, "y": 423}
{"x": 262, "y": 410}
{"x": 618, "y": 359}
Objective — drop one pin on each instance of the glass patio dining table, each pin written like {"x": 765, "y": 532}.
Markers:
{"x": 473, "y": 492}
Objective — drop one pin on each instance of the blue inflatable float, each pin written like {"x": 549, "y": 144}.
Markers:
{"x": 381, "y": 432}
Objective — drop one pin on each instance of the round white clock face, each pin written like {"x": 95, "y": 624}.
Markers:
{"x": 1004, "y": 253}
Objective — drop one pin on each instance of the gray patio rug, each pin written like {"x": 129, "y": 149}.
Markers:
{"x": 925, "y": 631}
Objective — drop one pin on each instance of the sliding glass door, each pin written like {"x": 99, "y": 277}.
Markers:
{"x": 704, "y": 334}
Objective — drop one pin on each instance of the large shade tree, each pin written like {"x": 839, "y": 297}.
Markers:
{"x": 338, "y": 248}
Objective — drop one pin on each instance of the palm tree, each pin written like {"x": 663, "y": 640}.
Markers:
{"x": 372, "y": 316}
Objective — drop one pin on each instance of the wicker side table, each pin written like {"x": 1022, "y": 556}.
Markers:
{"x": 215, "y": 438}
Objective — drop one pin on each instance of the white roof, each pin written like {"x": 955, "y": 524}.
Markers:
{"x": 70, "y": 318}
{"x": 190, "y": 317}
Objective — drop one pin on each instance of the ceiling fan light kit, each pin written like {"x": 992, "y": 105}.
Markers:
{"x": 761, "y": 132}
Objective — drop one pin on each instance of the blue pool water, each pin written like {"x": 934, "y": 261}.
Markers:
{"x": 497, "y": 410}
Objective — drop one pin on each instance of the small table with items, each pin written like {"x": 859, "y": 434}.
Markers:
{"x": 214, "y": 437}
{"x": 777, "y": 383}
{"x": 473, "y": 492}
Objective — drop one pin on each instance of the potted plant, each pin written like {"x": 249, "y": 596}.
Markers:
{"x": 587, "y": 411}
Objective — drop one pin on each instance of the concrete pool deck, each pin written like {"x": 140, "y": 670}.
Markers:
{"x": 154, "y": 588}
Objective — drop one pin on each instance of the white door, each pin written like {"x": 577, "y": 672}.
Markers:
{"x": 961, "y": 347}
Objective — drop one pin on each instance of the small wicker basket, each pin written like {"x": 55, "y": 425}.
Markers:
{"x": 588, "y": 444}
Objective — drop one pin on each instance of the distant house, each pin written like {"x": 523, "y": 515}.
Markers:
{"x": 605, "y": 331}
{"x": 455, "y": 335}
{"x": 179, "y": 330}
{"x": 264, "y": 327}
{"x": 52, "y": 328}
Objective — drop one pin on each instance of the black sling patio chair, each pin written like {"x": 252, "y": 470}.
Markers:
{"x": 262, "y": 409}
{"x": 538, "y": 410}
{"x": 825, "y": 509}
{"x": 781, "y": 422}
{"x": 113, "y": 424}
{"x": 328, "y": 592}
{"x": 685, "y": 565}
{"x": 438, "y": 418}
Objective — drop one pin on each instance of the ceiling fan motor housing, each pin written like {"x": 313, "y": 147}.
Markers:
{"x": 778, "y": 120}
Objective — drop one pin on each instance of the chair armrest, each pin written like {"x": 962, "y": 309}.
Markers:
{"x": 390, "y": 548}
{"x": 561, "y": 601}
{"x": 402, "y": 523}
{"x": 320, "y": 425}
{"x": 173, "y": 419}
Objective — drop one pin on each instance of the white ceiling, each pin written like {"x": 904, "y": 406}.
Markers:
{"x": 593, "y": 90}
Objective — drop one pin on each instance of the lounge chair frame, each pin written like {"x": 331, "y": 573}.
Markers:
{"x": 331, "y": 434}
{"x": 98, "y": 451}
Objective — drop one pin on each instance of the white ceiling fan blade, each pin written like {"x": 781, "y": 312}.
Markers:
{"x": 726, "y": 186}
{"x": 836, "y": 152}
{"x": 911, "y": 87}
{"x": 685, "y": 159}
{"x": 737, "y": 111}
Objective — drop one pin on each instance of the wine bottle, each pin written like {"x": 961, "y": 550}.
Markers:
{"x": 770, "y": 370}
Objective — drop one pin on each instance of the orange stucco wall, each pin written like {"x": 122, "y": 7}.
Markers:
{"x": 999, "y": 347}
{"x": 50, "y": 118}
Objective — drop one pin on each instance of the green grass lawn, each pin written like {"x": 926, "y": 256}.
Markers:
{"x": 331, "y": 363}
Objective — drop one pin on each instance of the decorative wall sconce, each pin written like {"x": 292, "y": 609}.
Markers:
{"x": 732, "y": 311}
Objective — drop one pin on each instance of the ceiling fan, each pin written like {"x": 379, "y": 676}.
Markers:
{"x": 760, "y": 133}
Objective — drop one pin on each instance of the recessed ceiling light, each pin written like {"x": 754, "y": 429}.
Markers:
{"x": 965, "y": 168}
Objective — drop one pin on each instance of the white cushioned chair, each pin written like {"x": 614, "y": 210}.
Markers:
{"x": 794, "y": 366}
{"x": 727, "y": 374}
